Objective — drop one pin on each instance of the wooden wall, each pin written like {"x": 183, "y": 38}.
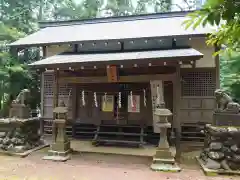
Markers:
{"x": 197, "y": 99}
{"x": 91, "y": 114}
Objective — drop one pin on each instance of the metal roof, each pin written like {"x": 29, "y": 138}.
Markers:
{"x": 139, "y": 28}
{"x": 110, "y": 19}
{"x": 110, "y": 57}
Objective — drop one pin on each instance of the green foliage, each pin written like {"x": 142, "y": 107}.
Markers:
{"x": 225, "y": 16}
{"x": 17, "y": 20}
{"x": 97, "y": 8}
{"x": 230, "y": 73}
{"x": 71, "y": 10}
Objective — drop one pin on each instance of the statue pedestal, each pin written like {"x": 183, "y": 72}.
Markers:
{"x": 19, "y": 111}
{"x": 164, "y": 159}
{"x": 60, "y": 147}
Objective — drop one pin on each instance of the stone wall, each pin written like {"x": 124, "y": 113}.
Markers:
{"x": 18, "y": 135}
{"x": 222, "y": 148}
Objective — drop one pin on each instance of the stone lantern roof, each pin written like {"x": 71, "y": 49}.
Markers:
{"x": 162, "y": 111}
{"x": 61, "y": 108}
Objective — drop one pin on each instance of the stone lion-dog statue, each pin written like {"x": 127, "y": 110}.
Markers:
{"x": 22, "y": 97}
{"x": 225, "y": 103}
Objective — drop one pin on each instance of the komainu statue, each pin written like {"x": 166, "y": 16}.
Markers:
{"x": 23, "y": 97}
{"x": 19, "y": 107}
{"x": 225, "y": 102}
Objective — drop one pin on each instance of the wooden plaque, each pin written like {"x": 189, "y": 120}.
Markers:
{"x": 112, "y": 74}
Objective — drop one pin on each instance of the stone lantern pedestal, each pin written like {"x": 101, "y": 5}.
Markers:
{"x": 60, "y": 147}
{"x": 163, "y": 160}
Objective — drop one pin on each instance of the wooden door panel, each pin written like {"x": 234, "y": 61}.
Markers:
{"x": 195, "y": 103}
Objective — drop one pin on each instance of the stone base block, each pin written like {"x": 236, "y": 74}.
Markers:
{"x": 57, "y": 155}
{"x": 163, "y": 154}
{"x": 164, "y": 161}
{"x": 60, "y": 146}
{"x": 165, "y": 167}
{"x": 59, "y": 151}
{"x": 57, "y": 158}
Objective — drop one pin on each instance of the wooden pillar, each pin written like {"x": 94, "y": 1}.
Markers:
{"x": 55, "y": 100}
{"x": 42, "y": 104}
{"x": 55, "y": 90}
{"x": 44, "y": 51}
{"x": 74, "y": 107}
{"x": 217, "y": 64}
{"x": 176, "y": 110}
{"x": 42, "y": 95}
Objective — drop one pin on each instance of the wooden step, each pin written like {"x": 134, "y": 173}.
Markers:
{"x": 117, "y": 141}
{"x": 187, "y": 137}
{"x": 192, "y": 133}
{"x": 85, "y": 128}
{"x": 119, "y": 125}
{"x": 83, "y": 132}
{"x": 121, "y": 133}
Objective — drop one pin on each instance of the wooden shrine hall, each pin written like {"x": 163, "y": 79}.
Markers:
{"x": 109, "y": 72}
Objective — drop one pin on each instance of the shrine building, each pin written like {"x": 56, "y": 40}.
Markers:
{"x": 109, "y": 71}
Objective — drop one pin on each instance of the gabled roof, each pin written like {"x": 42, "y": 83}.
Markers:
{"x": 153, "y": 26}
{"x": 119, "y": 57}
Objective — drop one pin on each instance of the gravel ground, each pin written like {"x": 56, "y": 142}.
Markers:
{"x": 92, "y": 167}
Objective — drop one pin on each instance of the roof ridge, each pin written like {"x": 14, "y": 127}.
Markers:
{"x": 44, "y": 24}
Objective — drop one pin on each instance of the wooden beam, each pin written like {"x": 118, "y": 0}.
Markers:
{"x": 122, "y": 79}
{"x": 176, "y": 111}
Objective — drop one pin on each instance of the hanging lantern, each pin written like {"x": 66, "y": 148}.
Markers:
{"x": 83, "y": 98}
{"x": 95, "y": 99}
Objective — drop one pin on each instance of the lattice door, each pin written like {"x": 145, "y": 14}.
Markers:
{"x": 198, "y": 83}
{"x": 63, "y": 94}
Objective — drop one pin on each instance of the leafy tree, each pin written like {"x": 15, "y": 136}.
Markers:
{"x": 72, "y": 10}
{"x": 230, "y": 74}
{"x": 119, "y": 7}
{"x": 17, "y": 19}
{"x": 223, "y": 14}
{"x": 142, "y": 6}
{"x": 162, "y": 5}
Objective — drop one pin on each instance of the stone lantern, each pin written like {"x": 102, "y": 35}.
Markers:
{"x": 164, "y": 158}
{"x": 60, "y": 147}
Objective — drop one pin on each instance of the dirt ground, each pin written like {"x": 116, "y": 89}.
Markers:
{"x": 90, "y": 166}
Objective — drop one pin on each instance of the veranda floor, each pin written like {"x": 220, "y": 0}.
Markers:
{"x": 86, "y": 146}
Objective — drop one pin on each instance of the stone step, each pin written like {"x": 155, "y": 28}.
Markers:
{"x": 161, "y": 160}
